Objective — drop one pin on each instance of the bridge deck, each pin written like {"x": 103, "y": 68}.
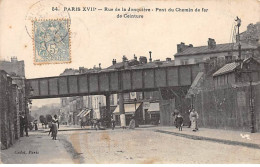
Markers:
{"x": 113, "y": 81}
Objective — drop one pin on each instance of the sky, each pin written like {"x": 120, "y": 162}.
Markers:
{"x": 99, "y": 37}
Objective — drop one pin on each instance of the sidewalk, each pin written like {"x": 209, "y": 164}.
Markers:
{"x": 36, "y": 149}
{"x": 215, "y": 135}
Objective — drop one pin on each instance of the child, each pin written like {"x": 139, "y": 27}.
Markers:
{"x": 179, "y": 121}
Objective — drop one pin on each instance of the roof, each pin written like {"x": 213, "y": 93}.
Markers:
{"x": 116, "y": 66}
{"x": 226, "y": 69}
{"x": 219, "y": 48}
{"x": 153, "y": 64}
{"x": 232, "y": 66}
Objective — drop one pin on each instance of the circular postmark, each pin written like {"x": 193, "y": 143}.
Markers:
{"x": 43, "y": 10}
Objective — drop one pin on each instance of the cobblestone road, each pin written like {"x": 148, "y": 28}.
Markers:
{"x": 125, "y": 146}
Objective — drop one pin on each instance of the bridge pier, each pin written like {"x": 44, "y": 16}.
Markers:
{"x": 108, "y": 112}
{"x": 122, "y": 110}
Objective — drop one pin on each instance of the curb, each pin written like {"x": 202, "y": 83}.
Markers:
{"x": 223, "y": 141}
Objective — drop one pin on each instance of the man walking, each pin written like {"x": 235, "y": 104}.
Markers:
{"x": 21, "y": 117}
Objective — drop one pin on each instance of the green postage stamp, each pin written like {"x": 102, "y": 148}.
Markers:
{"x": 51, "y": 39}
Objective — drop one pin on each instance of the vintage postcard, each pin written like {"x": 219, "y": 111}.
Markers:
{"x": 130, "y": 82}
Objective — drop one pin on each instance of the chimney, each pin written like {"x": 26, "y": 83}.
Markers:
{"x": 124, "y": 59}
{"x": 181, "y": 47}
{"x": 114, "y": 61}
{"x": 99, "y": 65}
{"x": 13, "y": 59}
{"x": 135, "y": 57}
{"x": 211, "y": 43}
{"x": 150, "y": 59}
{"x": 81, "y": 70}
{"x": 168, "y": 59}
{"x": 142, "y": 60}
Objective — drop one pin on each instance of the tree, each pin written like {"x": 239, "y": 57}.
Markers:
{"x": 43, "y": 121}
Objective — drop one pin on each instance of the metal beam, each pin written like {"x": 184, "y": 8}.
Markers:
{"x": 74, "y": 88}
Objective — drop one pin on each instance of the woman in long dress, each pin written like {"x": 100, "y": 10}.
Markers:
{"x": 132, "y": 123}
{"x": 55, "y": 126}
{"x": 194, "y": 116}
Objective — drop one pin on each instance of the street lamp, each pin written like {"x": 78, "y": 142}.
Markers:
{"x": 238, "y": 20}
{"x": 136, "y": 124}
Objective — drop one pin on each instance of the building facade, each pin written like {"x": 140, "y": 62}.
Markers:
{"x": 225, "y": 53}
{"x": 12, "y": 100}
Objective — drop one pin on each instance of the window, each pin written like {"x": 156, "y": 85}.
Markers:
{"x": 184, "y": 61}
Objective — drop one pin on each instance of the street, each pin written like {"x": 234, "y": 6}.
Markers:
{"x": 142, "y": 146}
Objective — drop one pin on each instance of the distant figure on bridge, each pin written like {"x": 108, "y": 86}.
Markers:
{"x": 55, "y": 126}
{"x": 194, "y": 116}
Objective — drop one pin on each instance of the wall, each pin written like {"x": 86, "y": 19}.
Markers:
{"x": 228, "y": 108}
{"x": 9, "y": 110}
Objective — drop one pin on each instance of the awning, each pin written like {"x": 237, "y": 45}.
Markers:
{"x": 154, "y": 107}
{"x": 80, "y": 112}
{"x": 195, "y": 87}
{"x": 86, "y": 113}
{"x": 129, "y": 108}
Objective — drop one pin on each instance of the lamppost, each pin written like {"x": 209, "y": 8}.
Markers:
{"x": 99, "y": 105}
{"x": 136, "y": 124}
{"x": 238, "y": 20}
{"x": 135, "y": 100}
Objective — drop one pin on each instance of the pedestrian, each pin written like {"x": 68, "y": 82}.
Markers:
{"x": 194, "y": 116}
{"x": 113, "y": 122}
{"x": 50, "y": 126}
{"x": 189, "y": 125}
{"x": 35, "y": 124}
{"x": 81, "y": 123}
{"x": 21, "y": 124}
{"x": 175, "y": 113}
{"x": 179, "y": 121}
{"x": 55, "y": 127}
{"x": 132, "y": 123}
{"x": 95, "y": 123}
{"x": 26, "y": 124}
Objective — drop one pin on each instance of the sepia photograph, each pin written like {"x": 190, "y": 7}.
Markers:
{"x": 130, "y": 82}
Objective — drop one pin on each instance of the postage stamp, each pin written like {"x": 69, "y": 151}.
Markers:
{"x": 51, "y": 39}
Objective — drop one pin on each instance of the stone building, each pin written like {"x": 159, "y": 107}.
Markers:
{"x": 219, "y": 53}
{"x": 13, "y": 67}
{"x": 12, "y": 100}
{"x": 251, "y": 35}
{"x": 235, "y": 72}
